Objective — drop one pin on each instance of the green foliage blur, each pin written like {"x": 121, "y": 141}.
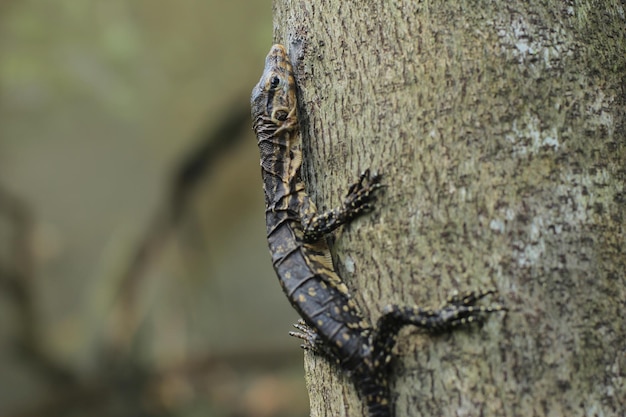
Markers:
{"x": 100, "y": 102}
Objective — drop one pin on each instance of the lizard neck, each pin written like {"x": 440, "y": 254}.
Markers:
{"x": 281, "y": 158}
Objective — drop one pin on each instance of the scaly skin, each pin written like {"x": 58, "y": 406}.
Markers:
{"x": 333, "y": 324}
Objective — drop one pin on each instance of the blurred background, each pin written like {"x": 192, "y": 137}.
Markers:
{"x": 134, "y": 273}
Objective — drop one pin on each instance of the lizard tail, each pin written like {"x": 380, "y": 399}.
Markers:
{"x": 375, "y": 391}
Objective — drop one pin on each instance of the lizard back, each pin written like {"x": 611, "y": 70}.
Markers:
{"x": 304, "y": 268}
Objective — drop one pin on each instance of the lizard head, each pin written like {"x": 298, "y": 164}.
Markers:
{"x": 274, "y": 97}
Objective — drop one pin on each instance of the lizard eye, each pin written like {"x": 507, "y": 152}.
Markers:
{"x": 281, "y": 115}
{"x": 274, "y": 81}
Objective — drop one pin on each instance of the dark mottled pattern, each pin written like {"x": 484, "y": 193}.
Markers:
{"x": 333, "y": 324}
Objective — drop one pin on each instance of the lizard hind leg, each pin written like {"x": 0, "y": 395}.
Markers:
{"x": 457, "y": 311}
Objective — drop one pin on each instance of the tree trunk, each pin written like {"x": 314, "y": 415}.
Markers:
{"x": 500, "y": 128}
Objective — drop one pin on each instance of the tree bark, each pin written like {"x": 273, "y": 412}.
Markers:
{"x": 500, "y": 128}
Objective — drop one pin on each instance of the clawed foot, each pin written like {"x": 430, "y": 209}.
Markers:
{"x": 360, "y": 195}
{"x": 311, "y": 340}
{"x": 462, "y": 309}
{"x": 469, "y": 298}
{"x": 359, "y": 200}
{"x": 457, "y": 311}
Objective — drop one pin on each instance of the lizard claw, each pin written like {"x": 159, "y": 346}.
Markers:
{"x": 361, "y": 194}
{"x": 311, "y": 339}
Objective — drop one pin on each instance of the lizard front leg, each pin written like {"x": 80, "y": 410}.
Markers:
{"x": 359, "y": 200}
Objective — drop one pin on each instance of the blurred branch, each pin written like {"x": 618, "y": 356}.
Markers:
{"x": 119, "y": 378}
{"x": 198, "y": 162}
{"x": 185, "y": 177}
{"x": 17, "y": 279}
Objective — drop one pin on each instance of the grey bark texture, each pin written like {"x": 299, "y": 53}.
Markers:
{"x": 500, "y": 128}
